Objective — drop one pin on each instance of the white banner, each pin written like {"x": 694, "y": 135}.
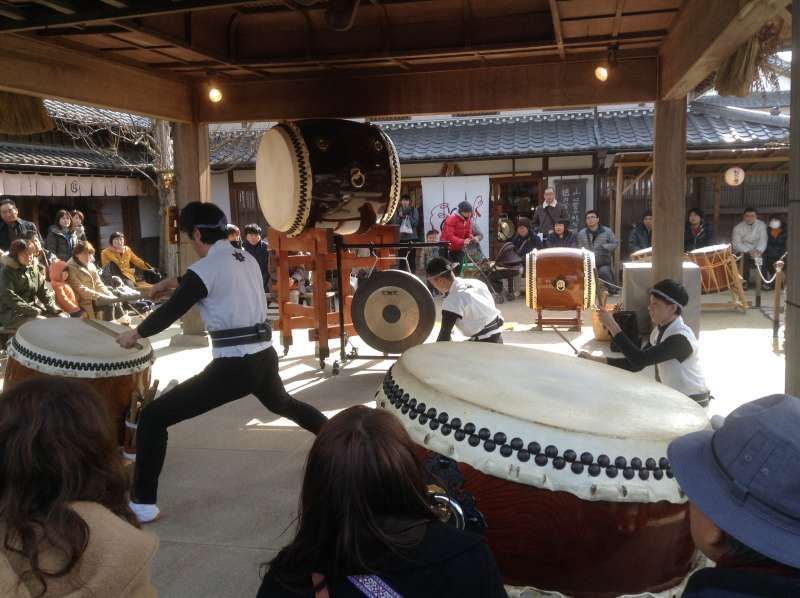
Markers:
{"x": 441, "y": 196}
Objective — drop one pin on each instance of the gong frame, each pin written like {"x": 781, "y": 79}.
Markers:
{"x": 341, "y": 246}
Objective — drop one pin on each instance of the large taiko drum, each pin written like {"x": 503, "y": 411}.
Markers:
{"x": 74, "y": 349}
{"x": 643, "y": 255}
{"x": 566, "y": 459}
{"x": 718, "y": 270}
{"x": 327, "y": 173}
{"x": 560, "y": 278}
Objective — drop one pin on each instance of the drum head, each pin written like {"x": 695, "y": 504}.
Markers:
{"x": 392, "y": 311}
{"x": 283, "y": 179}
{"x": 722, "y": 248}
{"x": 73, "y": 348}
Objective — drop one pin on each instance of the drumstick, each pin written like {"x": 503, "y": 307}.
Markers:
{"x": 565, "y": 339}
{"x": 107, "y": 331}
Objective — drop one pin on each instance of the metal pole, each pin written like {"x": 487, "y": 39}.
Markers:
{"x": 776, "y": 320}
{"x": 338, "y": 244}
{"x": 792, "y": 320}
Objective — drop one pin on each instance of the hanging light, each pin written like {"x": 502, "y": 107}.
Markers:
{"x": 602, "y": 71}
{"x": 214, "y": 92}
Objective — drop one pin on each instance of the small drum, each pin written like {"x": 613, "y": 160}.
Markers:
{"x": 560, "y": 278}
{"x": 327, "y": 173}
{"x": 570, "y": 473}
{"x": 74, "y": 349}
{"x": 643, "y": 255}
{"x": 717, "y": 267}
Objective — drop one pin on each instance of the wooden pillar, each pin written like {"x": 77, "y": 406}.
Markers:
{"x": 669, "y": 189}
{"x": 192, "y": 183}
{"x": 618, "y": 216}
{"x": 717, "y": 202}
{"x": 793, "y": 260}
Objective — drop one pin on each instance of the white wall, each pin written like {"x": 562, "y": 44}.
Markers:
{"x": 220, "y": 193}
{"x": 472, "y": 167}
{"x": 110, "y": 219}
{"x": 149, "y": 219}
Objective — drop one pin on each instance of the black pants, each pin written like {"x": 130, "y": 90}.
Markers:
{"x": 456, "y": 257}
{"x": 224, "y": 380}
{"x": 495, "y": 338}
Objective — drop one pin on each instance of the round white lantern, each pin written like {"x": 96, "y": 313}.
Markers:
{"x": 734, "y": 176}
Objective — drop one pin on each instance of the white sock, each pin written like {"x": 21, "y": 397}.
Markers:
{"x": 144, "y": 513}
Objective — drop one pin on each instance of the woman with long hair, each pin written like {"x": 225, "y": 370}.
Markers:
{"x": 365, "y": 524}
{"x": 65, "y": 525}
{"x": 61, "y": 237}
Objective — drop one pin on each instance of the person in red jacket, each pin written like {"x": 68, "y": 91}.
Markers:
{"x": 65, "y": 295}
{"x": 457, "y": 232}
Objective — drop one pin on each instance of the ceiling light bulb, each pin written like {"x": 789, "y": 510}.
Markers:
{"x": 214, "y": 94}
{"x": 601, "y": 73}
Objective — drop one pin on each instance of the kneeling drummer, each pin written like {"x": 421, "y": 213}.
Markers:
{"x": 468, "y": 304}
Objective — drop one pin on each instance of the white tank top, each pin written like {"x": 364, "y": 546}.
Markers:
{"x": 687, "y": 376}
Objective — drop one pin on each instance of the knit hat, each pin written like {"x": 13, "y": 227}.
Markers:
{"x": 465, "y": 206}
{"x": 438, "y": 266}
{"x": 671, "y": 291}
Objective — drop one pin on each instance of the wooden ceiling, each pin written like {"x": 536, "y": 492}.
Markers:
{"x": 293, "y": 38}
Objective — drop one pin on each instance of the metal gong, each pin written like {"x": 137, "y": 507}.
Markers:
{"x": 392, "y": 311}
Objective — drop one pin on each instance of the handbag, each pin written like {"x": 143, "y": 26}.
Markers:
{"x": 371, "y": 586}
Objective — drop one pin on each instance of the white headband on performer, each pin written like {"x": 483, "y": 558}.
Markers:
{"x": 223, "y": 222}
{"x": 665, "y": 297}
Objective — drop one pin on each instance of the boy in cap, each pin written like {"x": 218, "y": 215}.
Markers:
{"x": 673, "y": 348}
{"x": 468, "y": 305}
{"x": 743, "y": 485}
{"x": 457, "y": 232}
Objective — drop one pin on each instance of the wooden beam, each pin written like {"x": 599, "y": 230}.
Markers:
{"x": 457, "y": 90}
{"x": 705, "y": 33}
{"x": 65, "y": 7}
{"x": 38, "y": 68}
{"x": 722, "y": 161}
{"x": 618, "y": 216}
{"x": 638, "y": 178}
{"x": 615, "y": 29}
{"x": 10, "y": 11}
{"x": 557, "y": 29}
{"x": 115, "y": 3}
{"x": 669, "y": 189}
{"x": 792, "y": 329}
{"x": 717, "y": 201}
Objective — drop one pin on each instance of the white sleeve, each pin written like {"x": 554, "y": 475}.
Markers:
{"x": 736, "y": 239}
{"x": 761, "y": 244}
{"x": 204, "y": 273}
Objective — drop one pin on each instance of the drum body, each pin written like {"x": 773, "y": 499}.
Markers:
{"x": 717, "y": 267}
{"x": 643, "y": 255}
{"x": 327, "y": 173}
{"x": 72, "y": 349}
{"x": 575, "y": 486}
{"x": 560, "y": 278}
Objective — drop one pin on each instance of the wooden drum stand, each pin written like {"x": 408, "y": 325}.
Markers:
{"x": 320, "y": 258}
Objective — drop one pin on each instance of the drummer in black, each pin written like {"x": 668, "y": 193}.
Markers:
{"x": 226, "y": 286}
{"x": 468, "y": 304}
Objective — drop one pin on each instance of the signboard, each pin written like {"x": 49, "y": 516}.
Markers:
{"x": 572, "y": 193}
{"x": 441, "y": 196}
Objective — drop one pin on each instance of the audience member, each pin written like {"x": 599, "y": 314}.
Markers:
{"x": 12, "y": 227}
{"x": 61, "y": 237}
{"x": 42, "y": 255}
{"x": 776, "y": 247}
{"x": 23, "y": 292}
{"x": 546, "y": 215}
{"x": 428, "y": 253}
{"x": 407, "y": 218}
{"x": 77, "y": 225}
{"x": 749, "y": 238}
{"x": 743, "y": 482}
{"x": 525, "y": 240}
{"x": 94, "y": 297}
{"x": 473, "y": 250}
{"x": 561, "y": 236}
{"x": 698, "y": 233}
{"x": 365, "y": 520}
{"x": 234, "y": 236}
{"x": 64, "y": 293}
{"x": 641, "y": 236}
{"x": 119, "y": 260}
{"x": 256, "y": 246}
{"x": 457, "y": 232}
{"x": 66, "y": 528}
{"x": 601, "y": 241}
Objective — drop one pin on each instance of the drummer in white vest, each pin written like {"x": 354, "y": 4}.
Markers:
{"x": 227, "y": 287}
{"x": 468, "y": 304}
{"x": 673, "y": 348}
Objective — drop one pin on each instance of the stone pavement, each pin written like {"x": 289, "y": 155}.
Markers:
{"x": 231, "y": 481}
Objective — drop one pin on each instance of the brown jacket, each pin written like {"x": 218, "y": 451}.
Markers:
{"x": 116, "y": 563}
{"x": 85, "y": 281}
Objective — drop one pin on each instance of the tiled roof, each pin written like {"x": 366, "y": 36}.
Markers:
{"x": 540, "y": 134}
{"x": 763, "y": 101}
{"x": 28, "y": 157}
{"x": 94, "y": 116}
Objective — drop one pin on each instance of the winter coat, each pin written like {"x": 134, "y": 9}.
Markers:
{"x": 23, "y": 293}
{"x": 743, "y": 582}
{"x": 60, "y": 242}
{"x": 749, "y": 237}
{"x": 124, "y": 261}
{"x": 260, "y": 251}
{"x": 412, "y": 215}
{"x": 15, "y": 231}
{"x": 79, "y": 232}
{"x": 776, "y": 246}
{"x": 524, "y": 245}
{"x": 569, "y": 239}
{"x": 85, "y": 281}
{"x": 703, "y": 238}
{"x": 602, "y": 245}
{"x": 456, "y": 231}
{"x": 546, "y": 217}
{"x": 115, "y": 564}
{"x": 64, "y": 293}
{"x": 640, "y": 238}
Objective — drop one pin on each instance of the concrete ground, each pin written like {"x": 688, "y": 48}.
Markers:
{"x": 231, "y": 481}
